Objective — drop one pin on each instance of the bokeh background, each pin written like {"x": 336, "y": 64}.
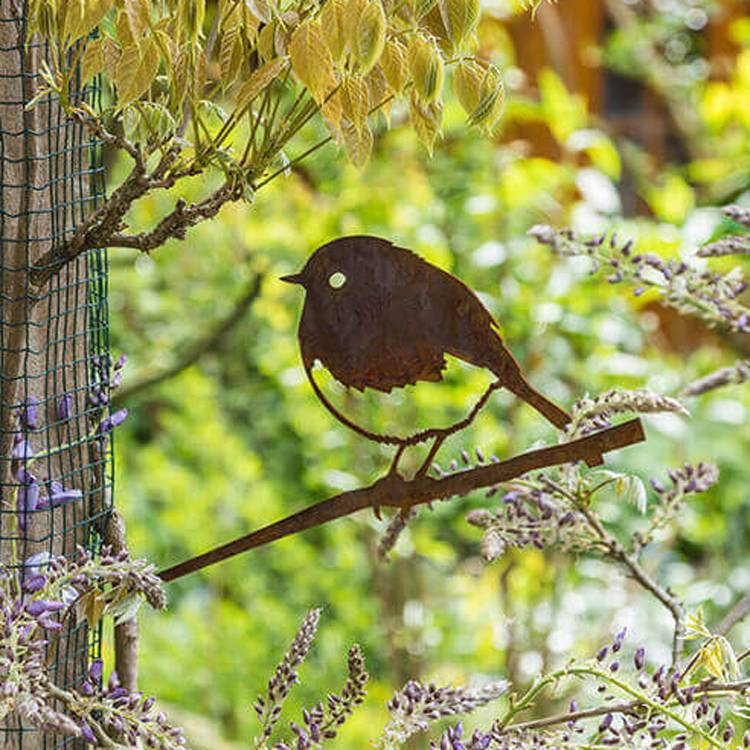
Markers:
{"x": 632, "y": 116}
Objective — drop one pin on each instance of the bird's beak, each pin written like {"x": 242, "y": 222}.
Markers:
{"x": 294, "y": 278}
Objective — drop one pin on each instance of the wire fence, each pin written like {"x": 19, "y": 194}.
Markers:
{"x": 55, "y": 470}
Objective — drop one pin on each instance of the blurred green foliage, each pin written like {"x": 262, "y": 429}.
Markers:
{"x": 238, "y": 440}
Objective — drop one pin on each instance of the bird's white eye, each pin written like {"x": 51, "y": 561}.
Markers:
{"x": 337, "y": 280}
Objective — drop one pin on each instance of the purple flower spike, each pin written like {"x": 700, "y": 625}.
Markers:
{"x": 96, "y": 670}
{"x": 87, "y": 734}
{"x": 28, "y": 414}
{"x": 121, "y": 361}
{"x": 65, "y": 407}
{"x": 22, "y": 450}
{"x": 114, "y": 681}
{"x": 27, "y": 499}
{"x": 114, "y": 420}
{"x": 58, "y": 495}
{"x": 34, "y": 584}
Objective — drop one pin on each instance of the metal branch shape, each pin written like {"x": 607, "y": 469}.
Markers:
{"x": 396, "y": 492}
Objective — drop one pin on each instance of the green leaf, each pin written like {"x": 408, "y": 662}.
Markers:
{"x": 92, "y": 60}
{"x": 357, "y": 142}
{"x": 312, "y": 60}
{"x": 81, "y": 17}
{"x": 460, "y": 18}
{"x": 370, "y": 36}
{"x": 136, "y": 70}
{"x": 258, "y": 81}
{"x": 426, "y": 68}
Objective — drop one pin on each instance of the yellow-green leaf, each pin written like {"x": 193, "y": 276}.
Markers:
{"x": 92, "y": 60}
{"x": 191, "y": 14}
{"x": 426, "y": 120}
{"x": 426, "y": 69}
{"x": 479, "y": 88}
{"x": 332, "y": 23}
{"x": 137, "y": 15}
{"x": 370, "y": 36}
{"x": 124, "y": 33}
{"x": 432, "y": 22}
{"x": 423, "y": 7}
{"x": 395, "y": 64}
{"x": 261, "y": 9}
{"x": 136, "y": 69}
{"x": 258, "y": 81}
{"x": 357, "y": 142}
{"x": 267, "y": 42}
{"x": 111, "y": 53}
{"x": 81, "y": 17}
{"x": 355, "y": 100}
{"x": 230, "y": 54}
{"x": 353, "y": 10}
{"x": 380, "y": 94}
{"x": 311, "y": 59}
{"x": 460, "y": 18}
{"x": 180, "y": 73}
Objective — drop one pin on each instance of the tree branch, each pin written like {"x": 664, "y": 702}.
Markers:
{"x": 735, "y": 615}
{"x": 209, "y": 341}
{"x": 395, "y": 492}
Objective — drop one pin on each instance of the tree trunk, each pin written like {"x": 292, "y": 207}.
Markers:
{"x": 48, "y": 336}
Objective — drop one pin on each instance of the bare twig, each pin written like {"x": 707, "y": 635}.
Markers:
{"x": 395, "y": 492}
{"x": 205, "y": 343}
{"x": 625, "y": 707}
{"x": 735, "y": 615}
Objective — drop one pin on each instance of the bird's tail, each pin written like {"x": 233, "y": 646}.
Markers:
{"x": 509, "y": 373}
{"x": 519, "y": 386}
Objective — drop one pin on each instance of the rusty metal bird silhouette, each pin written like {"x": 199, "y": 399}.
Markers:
{"x": 378, "y": 316}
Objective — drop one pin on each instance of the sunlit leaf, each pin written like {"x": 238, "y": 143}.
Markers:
{"x": 426, "y": 119}
{"x": 426, "y": 69}
{"x": 136, "y": 69}
{"x": 92, "y": 60}
{"x": 311, "y": 59}
{"x": 80, "y": 18}
{"x": 258, "y": 81}
{"x": 370, "y": 36}
{"x": 357, "y": 142}
{"x": 332, "y": 23}
{"x": 230, "y": 54}
{"x": 460, "y": 18}
{"x": 394, "y": 62}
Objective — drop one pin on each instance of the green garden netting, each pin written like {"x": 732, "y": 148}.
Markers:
{"x": 54, "y": 348}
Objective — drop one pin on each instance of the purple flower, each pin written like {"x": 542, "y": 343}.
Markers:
{"x": 22, "y": 450}
{"x": 34, "y": 584}
{"x": 33, "y": 564}
{"x": 87, "y": 734}
{"x": 39, "y": 607}
{"x": 27, "y": 499}
{"x": 602, "y": 653}
{"x": 96, "y": 670}
{"x": 113, "y": 420}
{"x": 606, "y": 723}
{"x": 640, "y": 658}
{"x": 28, "y": 414}
{"x": 58, "y": 495}
{"x": 65, "y": 407}
{"x": 121, "y": 360}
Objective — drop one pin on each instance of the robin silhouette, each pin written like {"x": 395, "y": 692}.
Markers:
{"x": 378, "y": 316}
